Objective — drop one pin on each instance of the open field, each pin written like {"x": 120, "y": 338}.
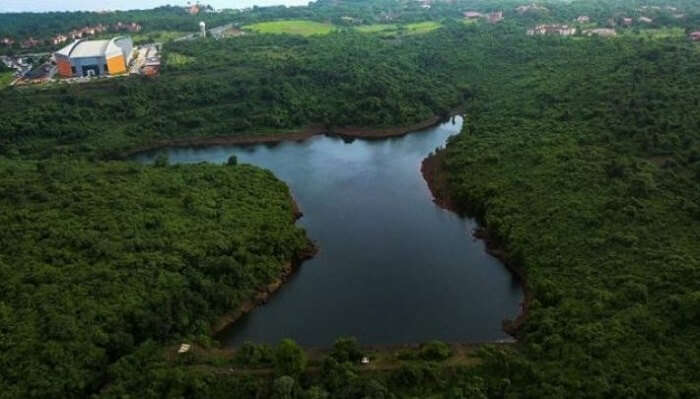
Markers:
{"x": 5, "y": 79}
{"x": 409, "y": 29}
{"x": 177, "y": 59}
{"x": 293, "y": 27}
{"x": 660, "y": 33}
{"x": 422, "y": 27}
{"x": 161, "y": 36}
{"x": 374, "y": 28}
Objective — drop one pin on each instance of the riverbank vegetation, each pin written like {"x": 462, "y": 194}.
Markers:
{"x": 581, "y": 156}
{"x": 100, "y": 260}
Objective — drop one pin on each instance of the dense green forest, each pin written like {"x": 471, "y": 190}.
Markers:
{"x": 42, "y": 26}
{"x": 99, "y": 260}
{"x": 580, "y": 155}
{"x": 582, "y": 160}
{"x": 251, "y": 85}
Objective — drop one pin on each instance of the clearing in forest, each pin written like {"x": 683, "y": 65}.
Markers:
{"x": 294, "y": 27}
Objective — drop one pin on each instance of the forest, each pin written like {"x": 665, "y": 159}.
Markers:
{"x": 580, "y": 156}
{"x": 99, "y": 260}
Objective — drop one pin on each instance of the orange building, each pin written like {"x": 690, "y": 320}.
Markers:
{"x": 95, "y": 57}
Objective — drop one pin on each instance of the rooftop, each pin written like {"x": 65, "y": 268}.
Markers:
{"x": 91, "y": 48}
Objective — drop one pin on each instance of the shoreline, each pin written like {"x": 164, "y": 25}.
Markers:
{"x": 434, "y": 175}
{"x": 301, "y": 134}
{"x": 264, "y": 293}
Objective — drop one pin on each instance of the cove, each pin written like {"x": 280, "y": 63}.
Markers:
{"x": 392, "y": 267}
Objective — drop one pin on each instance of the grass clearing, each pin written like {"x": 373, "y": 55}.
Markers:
{"x": 408, "y": 29}
{"x": 293, "y": 27}
{"x": 177, "y": 59}
{"x": 5, "y": 79}
{"x": 656, "y": 34}
{"x": 161, "y": 36}
{"x": 422, "y": 27}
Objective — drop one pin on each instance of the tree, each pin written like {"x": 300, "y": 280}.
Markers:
{"x": 346, "y": 349}
{"x": 232, "y": 161}
{"x": 290, "y": 359}
{"x": 283, "y": 388}
{"x": 161, "y": 161}
{"x": 435, "y": 350}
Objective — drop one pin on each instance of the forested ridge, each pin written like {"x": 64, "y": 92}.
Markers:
{"x": 582, "y": 161}
{"x": 252, "y": 85}
{"x": 580, "y": 155}
{"x": 98, "y": 260}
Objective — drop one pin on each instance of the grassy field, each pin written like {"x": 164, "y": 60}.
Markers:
{"x": 374, "y": 28}
{"x": 661, "y": 33}
{"x": 5, "y": 79}
{"x": 294, "y": 27}
{"x": 177, "y": 59}
{"x": 408, "y": 29}
{"x": 422, "y": 27}
{"x": 158, "y": 36}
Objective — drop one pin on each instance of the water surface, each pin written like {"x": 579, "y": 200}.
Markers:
{"x": 393, "y": 267}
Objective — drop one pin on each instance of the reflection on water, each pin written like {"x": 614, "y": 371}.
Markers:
{"x": 392, "y": 267}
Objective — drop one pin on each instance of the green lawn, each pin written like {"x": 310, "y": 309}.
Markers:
{"x": 177, "y": 59}
{"x": 294, "y": 27}
{"x": 409, "y": 29}
{"x": 5, "y": 79}
{"x": 660, "y": 33}
{"x": 422, "y": 27}
{"x": 161, "y": 36}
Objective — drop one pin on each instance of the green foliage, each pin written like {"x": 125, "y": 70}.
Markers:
{"x": 290, "y": 359}
{"x": 346, "y": 349}
{"x": 99, "y": 258}
{"x": 435, "y": 351}
{"x": 293, "y": 27}
{"x": 577, "y": 157}
{"x": 250, "y": 354}
{"x": 581, "y": 155}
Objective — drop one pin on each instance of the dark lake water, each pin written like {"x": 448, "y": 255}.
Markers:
{"x": 393, "y": 267}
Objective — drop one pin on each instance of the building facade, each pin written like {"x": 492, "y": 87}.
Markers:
{"x": 95, "y": 57}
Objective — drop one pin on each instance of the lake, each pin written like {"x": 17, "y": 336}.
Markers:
{"x": 393, "y": 268}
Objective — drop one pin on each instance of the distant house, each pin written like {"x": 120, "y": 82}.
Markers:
{"x": 29, "y": 43}
{"x": 495, "y": 17}
{"x": 58, "y": 39}
{"x": 554, "y": 29}
{"x": 193, "y": 10}
{"x": 583, "y": 19}
{"x": 646, "y": 20}
{"x": 473, "y": 15}
{"x": 603, "y": 32}
{"x": 492, "y": 17}
{"x": 626, "y": 21}
{"x": 694, "y": 36}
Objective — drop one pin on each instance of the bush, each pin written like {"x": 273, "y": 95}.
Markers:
{"x": 251, "y": 354}
{"x": 346, "y": 349}
{"x": 435, "y": 350}
{"x": 290, "y": 359}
